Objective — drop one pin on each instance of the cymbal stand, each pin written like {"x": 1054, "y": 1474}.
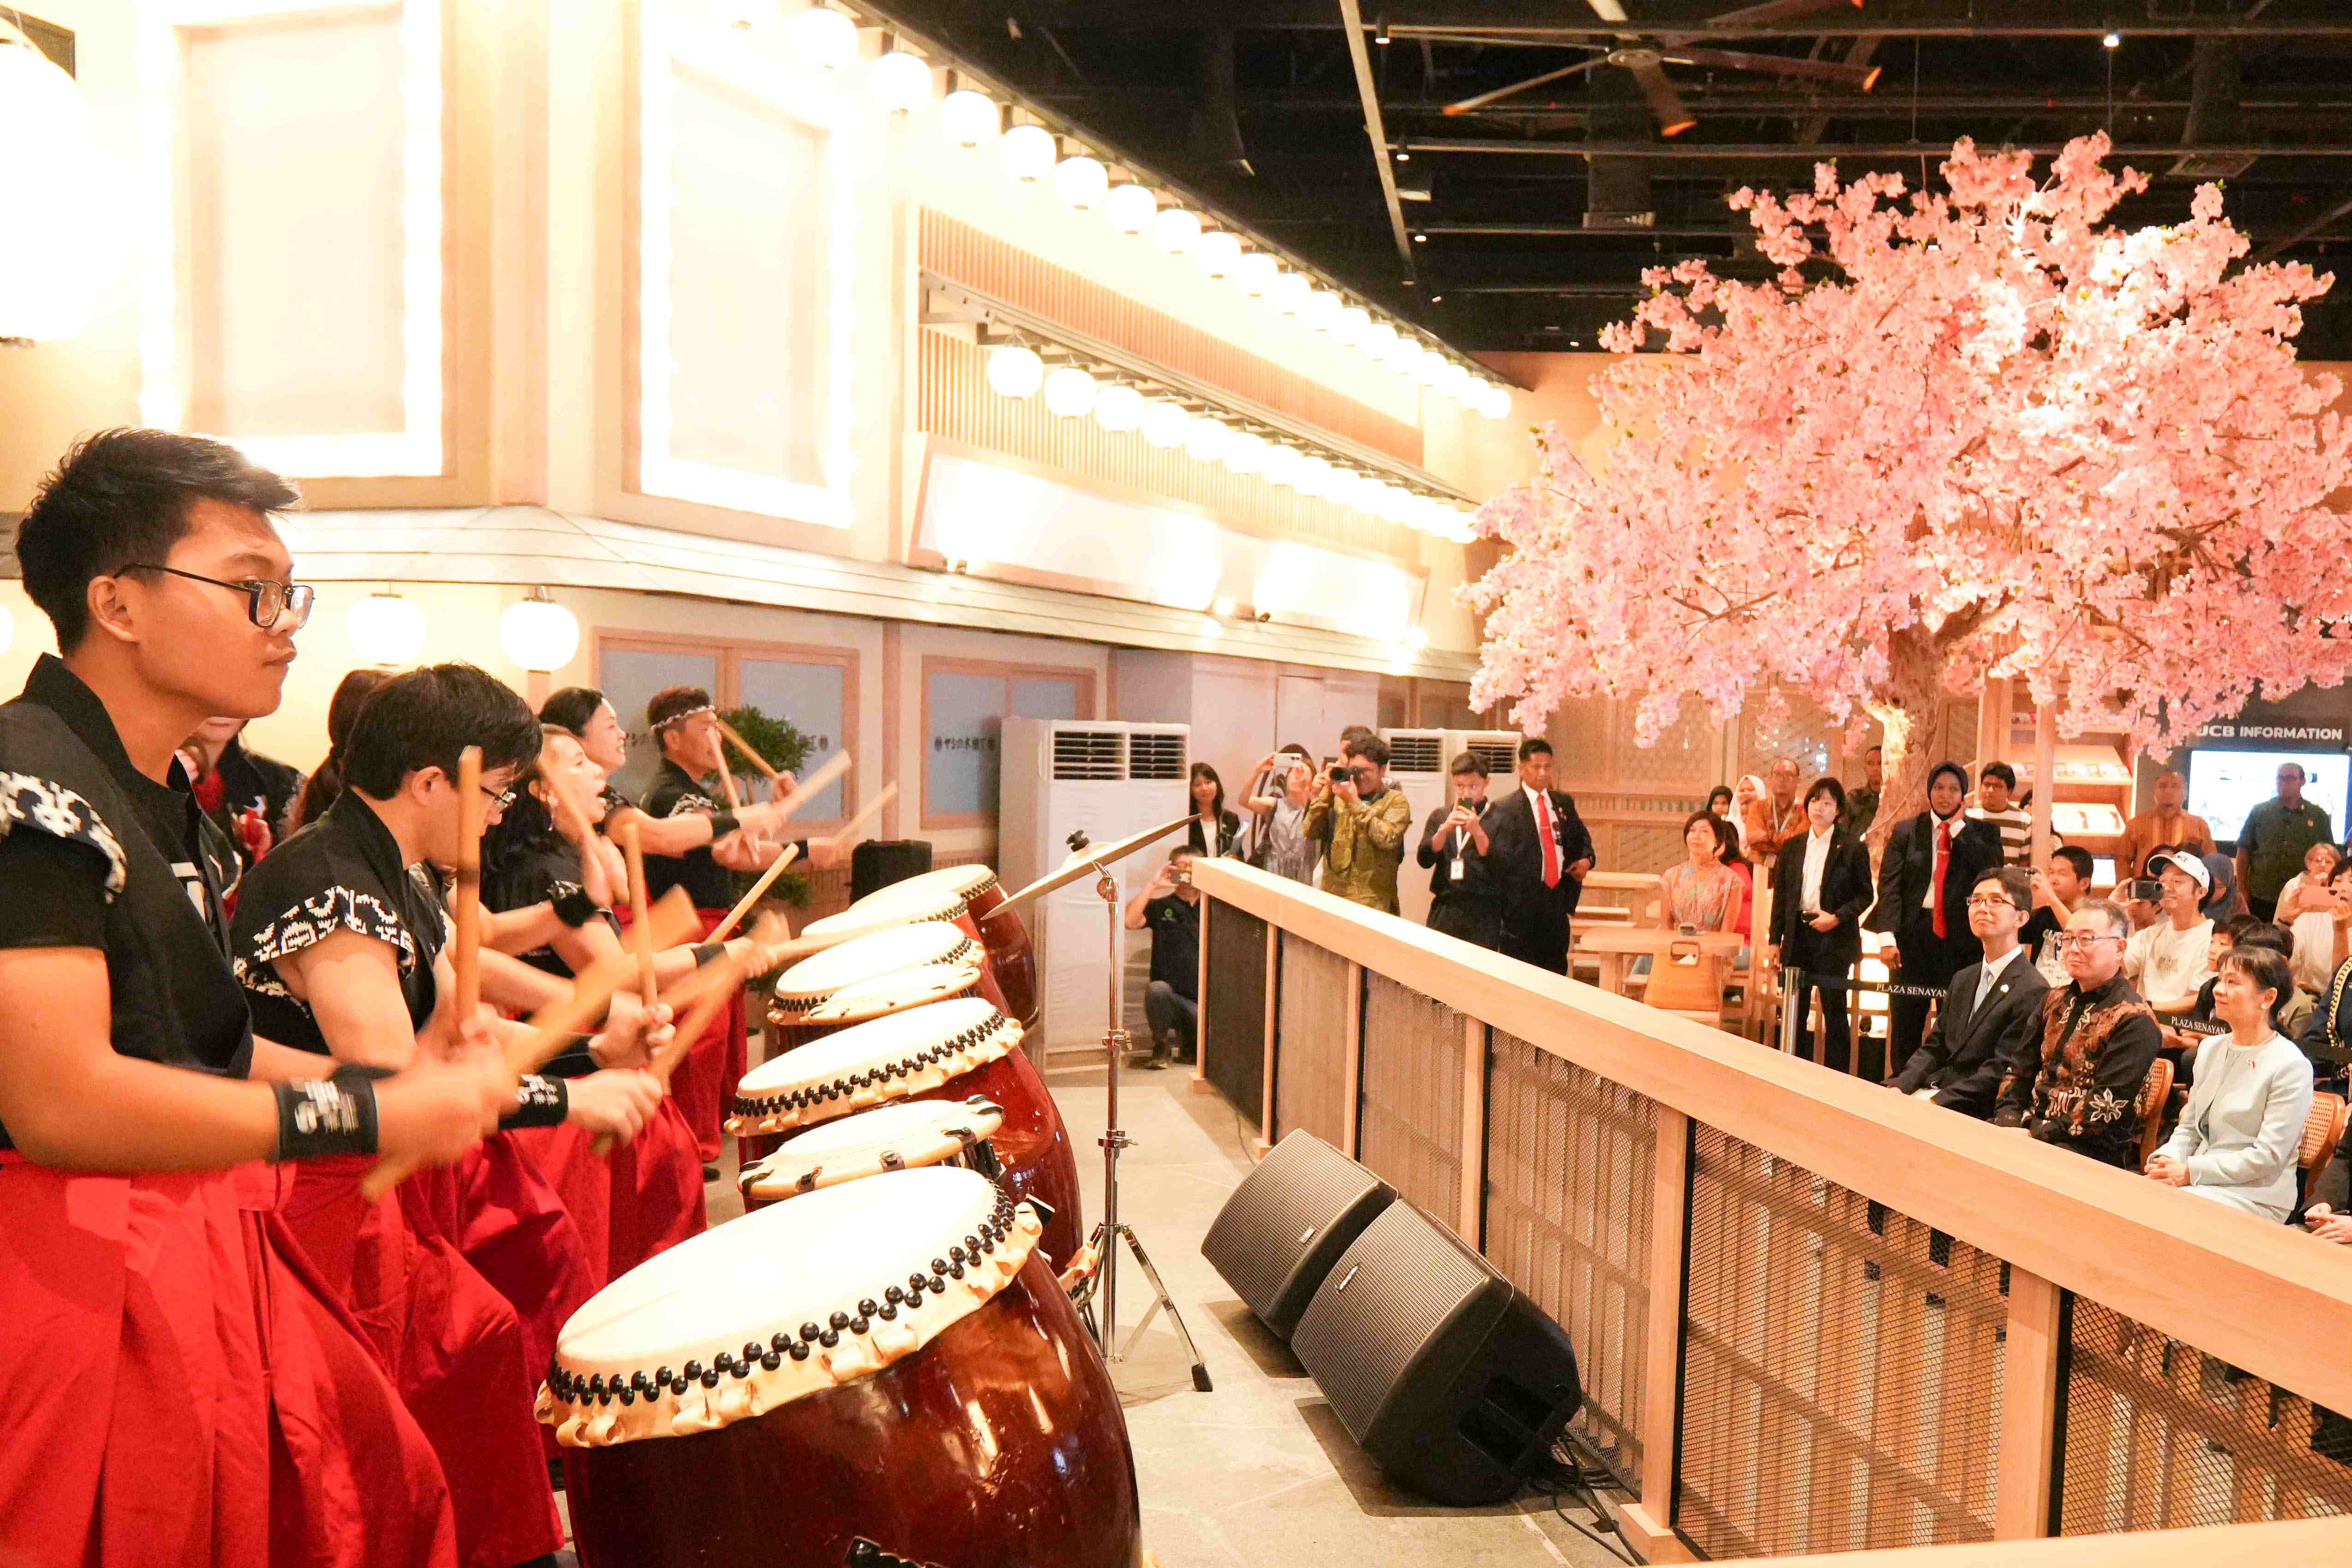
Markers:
{"x": 1103, "y": 1280}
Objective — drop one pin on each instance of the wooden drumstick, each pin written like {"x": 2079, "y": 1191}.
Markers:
{"x": 814, "y": 784}
{"x": 727, "y": 976}
{"x": 727, "y": 783}
{"x": 467, "y": 960}
{"x": 848, "y": 830}
{"x": 744, "y": 746}
{"x": 744, "y": 905}
{"x": 552, "y": 1027}
{"x": 641, "y": 936}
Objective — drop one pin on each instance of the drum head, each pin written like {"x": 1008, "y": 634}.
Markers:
{"x": 783, "y": 1302}
{"x": 887, "y": 1058}
{"x": 809, "y": 982}
{"x": 882, "y": 909}
{"x": 901, "y": 1137}
{"x": 894, "y": 992}
{"x": 963, "y": 881}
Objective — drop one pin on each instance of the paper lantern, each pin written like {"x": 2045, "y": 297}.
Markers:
{"x": 1119, "y": 407}
{"x": 46, "y": 278}
{"x": 1069, "y": 391}
{"x": 1244, "y": 451}
{"x": 539, "y": 634}
{"x": 1028, "y": 151}
{"x": 385, "y": 629}
{"x": 1321, "y": 310}
{"x": 1081, "y": 181}
{"x": 1166, "y": 425}
{"x": 1280, "y": 463}
{"x": 1205, "y": 437}
{"x": 1015, "y": 370}
{"x": 1353, "y": 323}
{"x": 822, "y": 37}
{"x": 1130, "y": 209}
{"x": 899, "y": 82}
{"x": 1175, "y": 231}
{"x": 1217, "y": 254}
{"x": 1256, "y": 272}
{"x": 1290, "y": 293}
{"x": 968, "y": 119}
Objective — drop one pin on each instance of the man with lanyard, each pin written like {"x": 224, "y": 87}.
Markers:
{"x": 180, "y": 1387}
{"x": 1931, "y": 862}
{"x": 1462, "y": 901}
{"x": 686, "y": 726}
{"x": 342, "y": 948}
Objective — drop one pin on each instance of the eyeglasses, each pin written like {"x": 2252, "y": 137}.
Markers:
{"x": 2082, "y": 941}
{"x": 500, "y": 798}
{"x": 1991, "y": 903}
{"x": 266, "y": 602}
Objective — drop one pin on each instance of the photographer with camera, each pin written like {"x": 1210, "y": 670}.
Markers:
{"x": 1170, "y": 907}
{"x": 1453, "y": 846}
{"x": 1363, "y": 823}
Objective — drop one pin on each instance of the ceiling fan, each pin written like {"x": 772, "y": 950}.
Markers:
{"x": 1647, "y": 55}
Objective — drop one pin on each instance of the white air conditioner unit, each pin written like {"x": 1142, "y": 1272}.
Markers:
{"x": 1418, "y": 765}
{"x": 1109, "y": 780}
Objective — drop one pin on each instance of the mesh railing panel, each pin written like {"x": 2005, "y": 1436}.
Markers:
{"x": 1233, "y": 1010}
{"x": 2157, "y": 1434}
{"x": 1410, "y": 1125}
{"x": 1569, "y": 1171}
{"x": 1842, "y": 1367}
{"x": 1310, "y": 1022}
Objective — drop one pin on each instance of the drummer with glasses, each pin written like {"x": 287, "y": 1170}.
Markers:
{"x": 179, "y": 1388}
{"x": 2076, "y": 1083}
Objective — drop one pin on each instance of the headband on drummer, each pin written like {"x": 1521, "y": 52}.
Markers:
{"x": 673, "y": 705}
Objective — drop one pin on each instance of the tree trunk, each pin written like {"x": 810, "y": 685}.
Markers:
{"x": 1908, "y": 710}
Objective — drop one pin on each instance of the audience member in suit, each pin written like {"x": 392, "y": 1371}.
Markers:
{"x": 1931, "y": 862}
{"x": 1537, "y": 853}
{"x": 1820, "y": 888}
{"x": 1454, "y": 845}
{"x": 1994, "y": 1013}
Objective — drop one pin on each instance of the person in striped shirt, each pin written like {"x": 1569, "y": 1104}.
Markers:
{"x": 1996, "y": 797}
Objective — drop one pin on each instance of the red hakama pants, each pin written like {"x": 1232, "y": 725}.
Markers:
{"x": 453, "y": 1348}
{"x": 504, "y": 1219}
{"x": 704, "y": 1083}
{"x": 180, "y": 1389}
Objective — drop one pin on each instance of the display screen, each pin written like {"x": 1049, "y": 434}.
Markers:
{"x": 2225, "y": 786}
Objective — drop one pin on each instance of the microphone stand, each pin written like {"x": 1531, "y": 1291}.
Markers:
{"x": 1112, "y": 1230}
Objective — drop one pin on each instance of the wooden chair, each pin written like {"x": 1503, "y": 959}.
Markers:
{"x": 2323, "y": 1130}
{"x": 1689, "y": 984}
{"x": 2155, "y": 1089}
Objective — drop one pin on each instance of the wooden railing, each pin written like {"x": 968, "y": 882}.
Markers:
{"x": 1811, "y": 1315}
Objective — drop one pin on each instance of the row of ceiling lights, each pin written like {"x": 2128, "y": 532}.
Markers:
{"x": 900, "y": 82}
{"x": 1071, "y": 391}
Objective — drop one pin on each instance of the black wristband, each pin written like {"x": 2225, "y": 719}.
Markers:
{"x": 538, "y": 1102}
{"x": 723, "y": 822}
{"x": 322, "y": 1117}
{"x": 575, "y": 909}
{"x": 708, "y": 953}
{"x": 575, "y": 1060}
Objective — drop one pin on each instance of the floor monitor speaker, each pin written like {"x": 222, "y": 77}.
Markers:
{"x": 1288, "y": 1222}
{"x": 879, "y": 862}
{"x": 1454, "y": 1382}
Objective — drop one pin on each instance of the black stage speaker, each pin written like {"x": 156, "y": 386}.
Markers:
{"x": 1288, "y": 1222}
{"x": 879, "y": 862}
{"x": 1451, "y": 1380}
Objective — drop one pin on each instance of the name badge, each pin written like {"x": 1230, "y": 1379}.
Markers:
{"x": 1461, "y": 868}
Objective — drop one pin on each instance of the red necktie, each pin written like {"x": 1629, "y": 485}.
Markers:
{"x": 1551, "y": 843}
{"x": 1943, "y": 859}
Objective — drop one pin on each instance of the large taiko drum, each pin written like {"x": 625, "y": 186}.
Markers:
{"x": 801, "y": 1010}
{"x": 888, "y": 1360}
{"x": 950, "y": 1050}
{"x": 999, "y": 924}
{"x": 905, "y": 1136}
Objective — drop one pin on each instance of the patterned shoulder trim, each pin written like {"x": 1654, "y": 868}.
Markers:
{"x": 690, "y": 803}
{"x": 313, "y": 919}
{"x": 53, "y": 809}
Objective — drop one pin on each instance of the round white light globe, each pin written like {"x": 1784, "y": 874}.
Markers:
{"x": 1244, "y": 451}
{"x": 1119, "y": 407}
{"x": 1401, "y": 355}
{"x": 1430, "y": 368}
{"x": 1395, "y": 502}
{"x": 1028, "y": 151}
{"x": 1378, "y": 337}
{"x": 1495, "y": 401}
{"x": 1354, "y": 322}
{"x": 1217, "y": 254}
{"x": 968, "y": 119}
{"x": 1204, "y": 438}
{"x": 900, "y": 82}
{"x": 1081, "y": 181}
{"x": 1069, "y": 391}
{"x": 1166, "y": 425}
{"x": 385, "y": 629}
{"x": 1130, "y": 209}
{"x": 1315, "y": 476}
{"x": 1279, "y": 464}
{"x": 1459, "y": 383}
{"x": 822, "y": 37}
{"x": 1256, "y": 272}
{"x": 1290, "y": 293}
{"x": 539, "y": 634}
{"x": 1175, "y": 231}
{"x": 1015, "y": 372}
{"x": 1321, "y": 310}
{"x": 48, "y": 284}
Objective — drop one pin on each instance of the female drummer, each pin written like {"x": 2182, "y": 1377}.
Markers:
{"x": 179, "y": 1387}
{"x": 340, "y": 951}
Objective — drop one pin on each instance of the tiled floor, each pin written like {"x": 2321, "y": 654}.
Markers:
{"x": 1258, "y": 1473}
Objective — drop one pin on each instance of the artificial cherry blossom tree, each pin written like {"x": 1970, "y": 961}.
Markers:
{"x": 1965, "y": 436}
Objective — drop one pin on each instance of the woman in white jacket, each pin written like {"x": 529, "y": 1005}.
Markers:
{"x": 2236, "y": 1143}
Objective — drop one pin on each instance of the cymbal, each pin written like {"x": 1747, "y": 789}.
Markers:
{"x": 1093, "y": 858}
